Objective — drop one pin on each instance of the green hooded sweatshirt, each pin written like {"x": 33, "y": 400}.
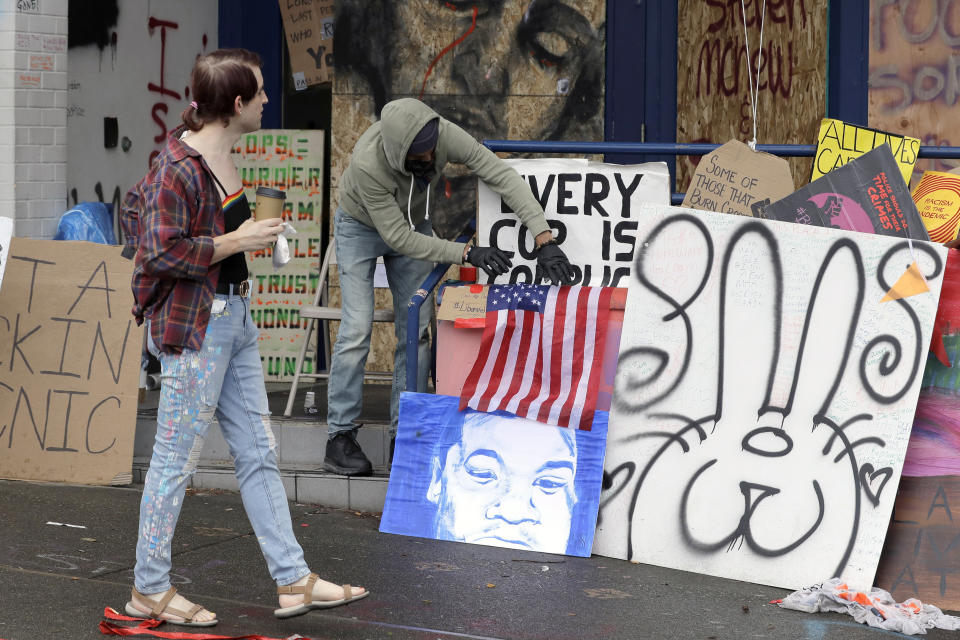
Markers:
{"x": 375, "y": 189}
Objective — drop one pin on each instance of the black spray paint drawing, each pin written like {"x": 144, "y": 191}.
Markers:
{"x": 506, "y": 69}
{"x": 764, "y": 398}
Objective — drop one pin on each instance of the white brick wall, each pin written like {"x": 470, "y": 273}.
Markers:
{"x": 33, "y": 87}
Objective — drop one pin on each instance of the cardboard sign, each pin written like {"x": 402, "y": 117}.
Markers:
{"x": 763, "y": 399}
{"x": 919, "y": 558}
{"x": 736, "y": 179}
{"x": 309, "y": 28}
{"x": 468, "y": 301}
{"x": 591, "y": 207}
{"x": 867, "y": 194}
{"x": 6, "y": 234}
{"x": 937, "y": 197}
{"x": 838, "y": 143}
{"x": 68, "y": 370}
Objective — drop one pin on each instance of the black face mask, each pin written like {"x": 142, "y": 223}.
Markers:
{"x": 422, "y": 169}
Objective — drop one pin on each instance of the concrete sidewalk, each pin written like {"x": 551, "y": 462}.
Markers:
{"x": 58, "y": 579}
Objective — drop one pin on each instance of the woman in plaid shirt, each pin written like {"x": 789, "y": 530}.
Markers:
{"x": 190, "y": 224}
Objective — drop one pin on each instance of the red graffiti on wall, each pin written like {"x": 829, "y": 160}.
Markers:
{"x": 159, "y": 110}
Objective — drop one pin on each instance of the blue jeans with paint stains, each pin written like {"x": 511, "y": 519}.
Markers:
{"x": 223, "y": 382}
{"x": 358, "y": 247}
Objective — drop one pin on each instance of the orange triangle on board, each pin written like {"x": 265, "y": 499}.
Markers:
{"x": 909, "y": 284}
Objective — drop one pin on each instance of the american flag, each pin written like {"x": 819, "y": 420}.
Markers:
{"x": 541, "y": 355}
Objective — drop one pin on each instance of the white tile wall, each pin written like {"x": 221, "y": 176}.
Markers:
{"x": 33, "y": 168}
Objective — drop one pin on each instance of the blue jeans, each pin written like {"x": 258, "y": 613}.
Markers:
{"x": 223, "y": 382}
{"x": 358, "y": 247}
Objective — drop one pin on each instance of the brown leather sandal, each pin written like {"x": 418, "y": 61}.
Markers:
{"x": 308, "y": 601}
{"x": 157, "y": 609}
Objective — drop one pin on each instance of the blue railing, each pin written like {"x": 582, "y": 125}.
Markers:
{"x": 584, "y": 148}
{"x": 413, "y": 315}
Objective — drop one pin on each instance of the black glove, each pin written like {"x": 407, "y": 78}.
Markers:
{"x": 490, "y": 259}
{"x": 553, "y": 265}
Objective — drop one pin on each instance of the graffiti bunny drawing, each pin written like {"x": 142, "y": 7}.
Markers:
{"x": 763, "y": 399}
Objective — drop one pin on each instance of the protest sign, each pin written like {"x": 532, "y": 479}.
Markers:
{"x": 69, "y": 356}
{"x": 591, "y": 208}
{"x": 291, "y": 161}
{"x": 867, "y": 194}
{"x": 763, "y": 398}
{"x": 463, "y": 302}
{"x": 308, "y": 25}
{"x": 839, "y": 142}
{"x": 735, "y": 179}
{"x": 937, "y": 197}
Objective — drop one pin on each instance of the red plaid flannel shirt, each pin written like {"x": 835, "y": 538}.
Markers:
{"x": 171, "y": 217}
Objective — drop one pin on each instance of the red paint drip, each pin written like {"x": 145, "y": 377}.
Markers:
{"x": 473, "y": 25}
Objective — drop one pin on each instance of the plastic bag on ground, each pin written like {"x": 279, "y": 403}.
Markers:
{"x": 90, "y": 221}
{"x": 875, "y": 607}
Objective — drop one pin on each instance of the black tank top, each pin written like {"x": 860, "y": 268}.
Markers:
{"x": 236, "y": 209}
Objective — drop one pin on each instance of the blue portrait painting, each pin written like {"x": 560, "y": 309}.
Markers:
{"x": 493, "y": 478}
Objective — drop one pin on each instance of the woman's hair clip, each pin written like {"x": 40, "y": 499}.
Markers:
{"x": 194, "y": 105}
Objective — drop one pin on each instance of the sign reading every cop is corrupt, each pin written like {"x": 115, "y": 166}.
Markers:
{"x": 69, "y": 358}
{"x": 591, "y": 208}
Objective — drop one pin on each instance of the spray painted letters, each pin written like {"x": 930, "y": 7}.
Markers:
{"x": 592, "y": 209}
{"x": 764, "y": 398}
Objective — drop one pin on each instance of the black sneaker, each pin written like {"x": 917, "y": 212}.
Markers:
{"x": 345, "y": 457}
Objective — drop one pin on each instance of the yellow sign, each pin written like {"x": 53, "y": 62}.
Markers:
{"x": 839, "y": 142}
{"x": 937, "y": 197}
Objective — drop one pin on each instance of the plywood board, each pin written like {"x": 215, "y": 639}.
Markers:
{"x": 713, "y": 88}
{"x": 920, "y": 558}
{"x": 913, "y": 67}
{"x": 759, "y": 419}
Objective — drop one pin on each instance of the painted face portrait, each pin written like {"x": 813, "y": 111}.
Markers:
{"x": 507, "y": 482}
{"x": 514, "y": 69}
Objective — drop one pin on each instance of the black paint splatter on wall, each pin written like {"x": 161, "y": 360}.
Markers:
{"x": 91, "y": 22}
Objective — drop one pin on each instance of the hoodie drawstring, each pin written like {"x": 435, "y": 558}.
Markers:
{"x": 409, "y": 200}
{"x": 426, "y": 211}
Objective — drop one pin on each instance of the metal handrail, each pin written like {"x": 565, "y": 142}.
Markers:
{"x": 413, "y": 315}
{"x": 674, "y": 148}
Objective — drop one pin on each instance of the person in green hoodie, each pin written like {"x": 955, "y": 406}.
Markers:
{"x": 384, "y": 210}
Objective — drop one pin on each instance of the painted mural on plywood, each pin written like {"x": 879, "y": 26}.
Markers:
{"x": 713, "y": 87}
{"x": 512, "y": 69}
{"x": 509, "y": 69}
{"x": 914, "y": 61}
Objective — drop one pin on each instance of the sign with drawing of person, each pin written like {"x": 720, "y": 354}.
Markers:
{"x": 493, "y": 478}
{"x": 591, "y": 207}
